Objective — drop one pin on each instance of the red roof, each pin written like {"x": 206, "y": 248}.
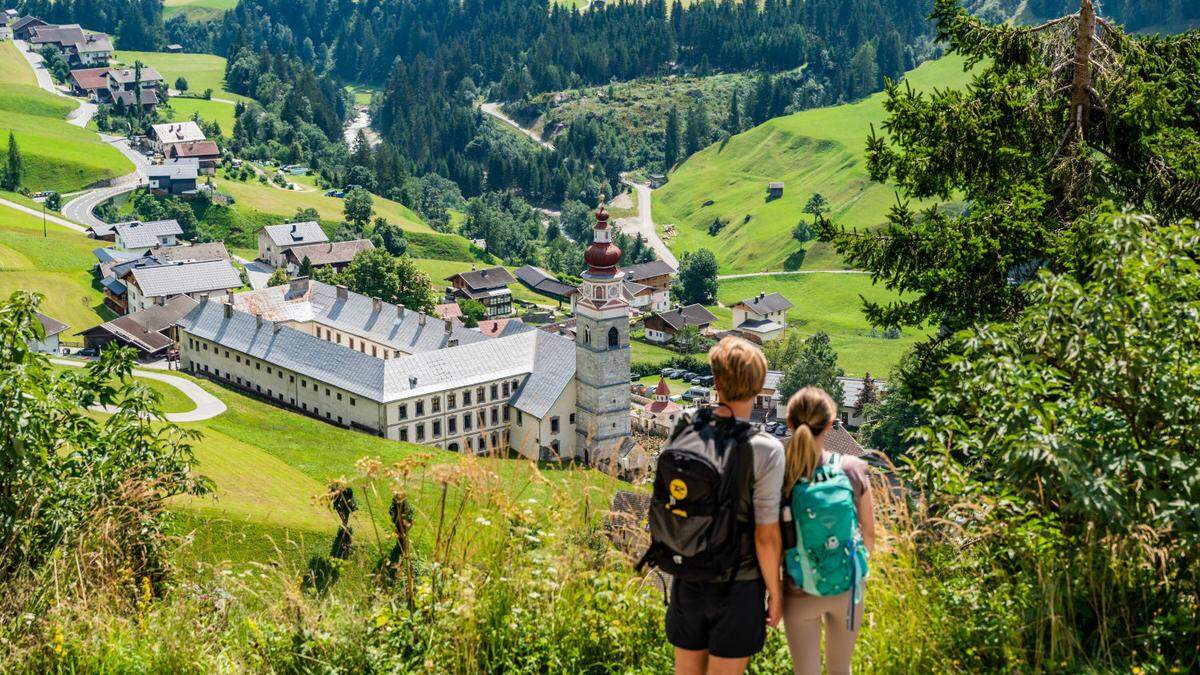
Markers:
{"x": 662, "y": 389}
{"x": 602, "y": 257}
{"x": 448, "y": 310}
{"x": 657, "y": 407}
{"x": 90, "y": 78}
{"x": 193, "y": 149}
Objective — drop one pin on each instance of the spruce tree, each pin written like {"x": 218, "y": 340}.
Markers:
{"x": 671, "y": 139}
{"x": 733, "y": 123}
{"x": 12, "y": 169}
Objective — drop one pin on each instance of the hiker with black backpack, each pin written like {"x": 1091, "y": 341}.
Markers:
{"x": 714, "y": 522}
{"x": 828, "y": 528}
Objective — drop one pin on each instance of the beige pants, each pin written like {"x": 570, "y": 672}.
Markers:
{"x": 803, "y": 617}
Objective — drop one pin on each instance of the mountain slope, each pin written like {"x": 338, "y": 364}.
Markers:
{"x": 818, "y": 150}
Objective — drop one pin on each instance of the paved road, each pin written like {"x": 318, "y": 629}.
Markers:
{"x": 207, "y": 405}
{"x": 643, "y": 224}
{"x": 50, "y": 217}
{"x": 259, "y": 273}
{"x": 80, "y": 208}
{"x": 493, "y": 109}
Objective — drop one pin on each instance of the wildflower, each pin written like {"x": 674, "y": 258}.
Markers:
{"x": 58, "y": 639}
{"x": 483, "y": 521}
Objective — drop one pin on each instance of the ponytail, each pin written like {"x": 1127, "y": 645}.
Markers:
{"x": 809, "y": 412}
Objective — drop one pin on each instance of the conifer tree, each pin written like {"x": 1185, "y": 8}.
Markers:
{"x": 12, "y": 169}
{"x": 671, "y": 139}
{"x": 733, "y": 123}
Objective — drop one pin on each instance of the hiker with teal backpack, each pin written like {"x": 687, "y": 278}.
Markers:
{"x": 828, "y": 529}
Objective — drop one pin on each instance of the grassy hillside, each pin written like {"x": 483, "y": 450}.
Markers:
{"x": 202, "y": 71}
{"x": 57, "y": 265}
{"x": 197, "y": 10}
{"x": 211, "y": 111}
{"x": 56, "y": 155}
{"x": 817, "y": 150}
{"x": 829, "y": 303}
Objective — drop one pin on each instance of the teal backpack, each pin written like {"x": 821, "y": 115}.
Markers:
{"x": 829, "y": 557}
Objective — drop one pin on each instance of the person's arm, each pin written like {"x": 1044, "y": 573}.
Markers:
{"x": 768, "y": 546}
{"x": 865, "y": 505}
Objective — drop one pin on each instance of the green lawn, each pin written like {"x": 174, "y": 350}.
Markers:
{"x": 173, "y": 400}
{"x": 209, "y": 111}
{"x": 202, "y": 71}
{"x": 818, "y": 150}
{"x": 268, "y": 463}
{"x": 197, "y": 10}
{"x": 58, "y": 266}
{"x": 829, "y": 303}
{"x": 56, "y": 155}
{"x": 644, "y": 352}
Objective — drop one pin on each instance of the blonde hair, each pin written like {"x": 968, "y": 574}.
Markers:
{"x": 809, "y": 412}
{"x": 738, "y": 367}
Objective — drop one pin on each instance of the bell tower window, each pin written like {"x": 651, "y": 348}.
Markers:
{"x": 614, "y": 339}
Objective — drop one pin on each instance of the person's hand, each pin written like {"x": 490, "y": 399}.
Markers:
{"x": 774, "y": 609}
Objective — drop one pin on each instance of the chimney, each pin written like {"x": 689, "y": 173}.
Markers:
{"x": 342, "y": 292}
{"x": 762, "y": 294}
{"x": 376, "y": 305}
{"x": 228, "y": 311}
{"x": 400, "y": 312}
{"x": 229, "y": 296}
{"x": 257, "y": 321}
{"x": 412, "y": 381}
{"x": 275, "y": 326}
{"x": 452, "y": 343}
{"x": 449, "y": 327}
{"x": 420, "y": 319}
{"x": 298, "y": 286}
{"x": 472, "y": 268}
{"x": 293, "y": 228}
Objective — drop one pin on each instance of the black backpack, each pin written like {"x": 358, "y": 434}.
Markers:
{"x": 701, "y": 527}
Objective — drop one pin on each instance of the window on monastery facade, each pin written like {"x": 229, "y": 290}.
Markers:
{"x": 437, "y": 428}
{"x": 420, "y": 408}
{"x": 467, "y": 422}
{"x": 505, "y": 389}
{"x": 435, "y": 404}
{"x": 520, "y": 417}
{"x": 495, "y": 415}
{"x": 554, "y": 425}
{"x": 614, "y": 338}
{"x": 452, "y": 425}
{"x": 372, "y": 350}
{"x": 505, "y": 414}
{"x": 404, "y": 433}
{"x": 572, "y": 419}
{"x": 479, "y": 395}
{"x": 351, "y": 400}
{"x": 402, "y": 411}
{"x": 466, "y": 398}
{"x": 495, "y": 392}
{"x": 451, "y": 399}
{"x": 420, "y": 432}
{"x": 339, "y": 396}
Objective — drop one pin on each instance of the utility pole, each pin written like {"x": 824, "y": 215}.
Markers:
{"x": 44, "y": 234}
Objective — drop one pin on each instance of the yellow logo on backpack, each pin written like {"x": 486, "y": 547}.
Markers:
{"x": 678, "y": 489}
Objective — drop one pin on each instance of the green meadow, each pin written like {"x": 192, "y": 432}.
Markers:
{"x": 210, "y": 111}
{"x": 57, "y": 265}
{"x": 202, "y": 71}
{"x": 197, "y": 10}
{"x": 56, "y": 155}
{"x": 820, "y": 150}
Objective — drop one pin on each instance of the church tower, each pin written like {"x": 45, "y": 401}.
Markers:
{"x": 601, "y": 349}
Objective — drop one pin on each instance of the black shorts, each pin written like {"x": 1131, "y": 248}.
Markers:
{"x": 726, "y": 620}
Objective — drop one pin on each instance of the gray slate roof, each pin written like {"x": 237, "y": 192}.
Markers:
{"x": 137, "y": 234}
{"x": 175, "y": 169}
{"x": 541, "y": 281}
{"x": 330, "y": 252}
{"x": 108, "y": 254}
{"x": 491, "y": 277}
{"x": 129, "y": 75}
{"x": 548, "y": 359}
{"x": 852, "y": 388}
{"x": 186, "y": 277}
{"x": 65, "y": 34}
{"x": 214, "y": 250}
{"x": 51, "y": 326}
{"x": 292, "y": 234}
{"x": 765, "y": 303}
{"x": 355, "y": 314}
{"x": 646, "y": 270}
{"x": 148, "y": 97}
{"x": 691, "y": 315}
{"x": 144, "y": 329}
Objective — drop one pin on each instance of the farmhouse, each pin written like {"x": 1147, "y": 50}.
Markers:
{"x": 335, "y": 254}
{"x": 762, "y": 318}
{"x": 175, "y": 177}
{"x": 275, "y": 240}
{"x": 173, "y": 132}
{"x": 488, "y": 286}
{"x": 158, "y": 284}
{"x": 116, "y": 293}
{"x": 51, "y": 329}
{"x": 76, "y": 47}
{"x": 90, "y": 82}
{"x": 114, "y": 264}
{"x": 542, "y": 282}
{"x": 206, "y": 153}
{"x": 851, "y": 411}
{"x": 22, "y": 29}
{"x": 150, "y": 331}
{"x": 139, "y": 237}
{"x": 659, "y": 276}
{"x": 103, "y": 231}
{"x": 661, "y": 327}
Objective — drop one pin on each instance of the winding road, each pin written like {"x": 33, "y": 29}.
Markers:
{"x": 493, "y": 109}
{"x": 643, "y": 224}
{"x": 207, "y": 405}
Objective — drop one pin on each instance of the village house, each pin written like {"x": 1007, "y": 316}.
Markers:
{"x": 488, "y": 286}
{"x": 158, "y": 284}
{"x": 139, "y": 237}
{"x": 76, "y": 46}
{"x": 275, "y": 240}
{"x": 173, "y": 132}
{"x": 116, "y": 293}
{"x": 174, "y": 177}
{"x": 656, "y": 274}
{"x": 124, "y": 89}
{"x": 852, "y": 412}
{"x": 22, "y": 29}
{"x": 542, "y": 282}
{"x": 335, "y": 254}
{"x": 150, "y": 331}
{"x": 206, "y": 153}
{"x": 762, "y": 318}
{"x": 113, "y": 264}
{"x": 90, "y": 82}
{"x": 51, "y": 330}
{"x": 102, "y": 231}
{"x": 661, "y": 327}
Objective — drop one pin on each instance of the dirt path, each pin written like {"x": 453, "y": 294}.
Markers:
{"x": 493, "y": 109}
{"x": 643, "y": 224}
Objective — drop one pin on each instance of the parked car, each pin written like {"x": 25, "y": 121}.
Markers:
{"x": 706, "y": 381}
{"x": 665, "y": 372}
{"x": 694, "y": 393}
{"x": 674, "y": 373}
{"x": 694, "y": 379}
{"x": 86, "y": 352}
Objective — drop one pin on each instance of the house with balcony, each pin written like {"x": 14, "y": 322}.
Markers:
{"x": 761, "y": 318}
{"x": 488, "y": 286}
